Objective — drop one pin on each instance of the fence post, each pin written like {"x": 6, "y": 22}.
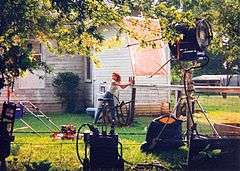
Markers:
{"x": 132, "y": 106}
{"x": 178, "y": 94}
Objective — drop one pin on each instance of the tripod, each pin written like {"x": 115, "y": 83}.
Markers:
{"x": 190, "y": 100}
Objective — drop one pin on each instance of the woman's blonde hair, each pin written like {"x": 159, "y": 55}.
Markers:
{"x": 117, "y": 75}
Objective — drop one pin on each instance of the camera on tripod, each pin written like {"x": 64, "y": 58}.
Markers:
{"x": 195, "y": 40}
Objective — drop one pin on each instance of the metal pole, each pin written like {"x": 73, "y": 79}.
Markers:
{"x": 30, "y": 127}
{"x": 38, "y": 118}
{"x": 48, "y": 118}
{"x": 160, "y": 68}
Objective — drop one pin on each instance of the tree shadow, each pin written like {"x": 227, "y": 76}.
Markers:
{"x": 214, "y": 160}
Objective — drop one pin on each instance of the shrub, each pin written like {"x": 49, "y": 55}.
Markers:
{"x": 15, "y": 149}
{"x": 66, "y": 88}
{"x": 39, "y": 166}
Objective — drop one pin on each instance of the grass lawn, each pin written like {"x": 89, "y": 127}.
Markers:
{"x": 219, "y": 110}
{"x": 29, "y": 148}
{"x": 62, "y": 153}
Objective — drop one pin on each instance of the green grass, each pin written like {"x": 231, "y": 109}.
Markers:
{"x": 62, "y": 153}
{"x": 28, "y": 148}
{"x": 219, "y": 110}
{"x": 139, "y": 126}
{"x": 218, "y": 104}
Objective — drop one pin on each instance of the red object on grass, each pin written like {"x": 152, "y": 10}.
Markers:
{"x": 67, "y": 132}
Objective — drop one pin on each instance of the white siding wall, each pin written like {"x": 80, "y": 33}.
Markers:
{"x": 118, "y": 59}
{"x": 44, "y": 97}
{"x": 115, "y": 59}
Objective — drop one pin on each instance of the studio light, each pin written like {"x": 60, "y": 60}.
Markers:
{"x": 194, "y": 42}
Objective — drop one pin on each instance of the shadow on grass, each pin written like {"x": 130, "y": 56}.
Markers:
{"x": 224, "y": 159}
{"x": 215, "y": 163}
{"x": 177, "y": 160}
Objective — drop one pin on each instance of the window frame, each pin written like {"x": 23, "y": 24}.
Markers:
{"x": 21, "y": 85}
{"x": 87, "y": 68}
{"x": 40, "y": 49}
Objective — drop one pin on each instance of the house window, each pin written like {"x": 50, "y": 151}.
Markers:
{"x": 36, "y": 50}
{"x": 32, "y": 81}
{"x": 88, "y": 70}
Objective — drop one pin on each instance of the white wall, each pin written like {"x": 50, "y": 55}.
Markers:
{"x": 118, "y": 59}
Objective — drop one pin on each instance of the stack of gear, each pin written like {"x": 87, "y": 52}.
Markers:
{"x": 103, "y": 150}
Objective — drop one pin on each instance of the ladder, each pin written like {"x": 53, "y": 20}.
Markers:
{"x": 29, "y": 107}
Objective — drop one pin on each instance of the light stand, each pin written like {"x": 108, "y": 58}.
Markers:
{"x": 190, "y": 106}
{"x": 198, "y": 143}
{"x": 192, "y": 49}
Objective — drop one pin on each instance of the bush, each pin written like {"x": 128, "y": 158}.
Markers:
{"x": 15, "y": 149}
{"x": 66, "y": 88}
{"x": 39, "y": 166}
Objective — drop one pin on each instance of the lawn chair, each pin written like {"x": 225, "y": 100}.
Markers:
{"x": 27, "y": 106}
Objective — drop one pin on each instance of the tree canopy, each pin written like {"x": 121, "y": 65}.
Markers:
{"x": 73, "y": 26}
{"x": 224, "y": 16}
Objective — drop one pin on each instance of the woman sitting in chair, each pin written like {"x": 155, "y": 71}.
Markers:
{"x": 110, "y": 93}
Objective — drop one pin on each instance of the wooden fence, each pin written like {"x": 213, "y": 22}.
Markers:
{"x": 155, "y": 107}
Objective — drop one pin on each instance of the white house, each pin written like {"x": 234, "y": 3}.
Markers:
{"x": 119, "y": 59}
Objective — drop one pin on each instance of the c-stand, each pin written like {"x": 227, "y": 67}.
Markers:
{"x": 196, "y": 142}
{"x": 191, "y": 100}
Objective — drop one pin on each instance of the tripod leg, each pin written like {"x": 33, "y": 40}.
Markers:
{"x": 189, "y": 124}
{"x": 205, "y": 114}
